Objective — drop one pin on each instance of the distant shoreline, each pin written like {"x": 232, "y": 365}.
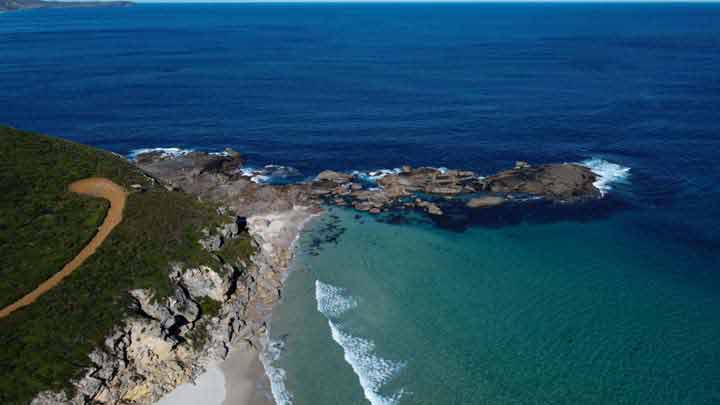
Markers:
{"x": 17, "y": 5}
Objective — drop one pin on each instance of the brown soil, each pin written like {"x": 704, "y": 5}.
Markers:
{"x": 95, "y": 187}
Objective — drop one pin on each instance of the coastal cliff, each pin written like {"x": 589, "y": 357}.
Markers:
{"x": 179, "y": 282}
{"x": 170, "y": 341}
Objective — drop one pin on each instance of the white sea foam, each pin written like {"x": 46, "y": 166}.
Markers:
{"x": 276, "y": 375}
{"x": 330, "y": 300}
{"x": 372, "y": 370}
{"x": 270, "y": 173}
{"x": 373, "y": 176}
{"x": 166, "y": 152}
{"x": 607, "y": 173}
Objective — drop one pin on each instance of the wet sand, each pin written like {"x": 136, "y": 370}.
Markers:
{"x": 245, "y": 379}
{"x": 239, "y": 380}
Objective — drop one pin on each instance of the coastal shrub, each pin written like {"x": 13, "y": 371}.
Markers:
{"x": 237, "y": 249}
{"x": 209, "y": 307}
{"x": 45, "y": 345}
{"x": 42, "y": 224}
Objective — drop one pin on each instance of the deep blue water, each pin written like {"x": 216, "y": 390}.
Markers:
{"x": 474, "y": 86}
{"x": 371, "y": 86}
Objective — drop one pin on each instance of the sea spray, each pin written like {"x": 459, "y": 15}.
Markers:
{"x": 272, "y": 174}
{"x": 607, "y": 173}
{"x": 373, "y": 176}
{"x": 372, "y": 371}
{"x": 164, "y": 152}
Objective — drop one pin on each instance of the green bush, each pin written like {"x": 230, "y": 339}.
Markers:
{"x": 45, "y": 345}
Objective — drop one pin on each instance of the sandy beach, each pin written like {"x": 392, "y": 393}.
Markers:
{"x": 239, "y": 380}
{"x": 245, "y": 379}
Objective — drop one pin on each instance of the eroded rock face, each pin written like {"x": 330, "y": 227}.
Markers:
{"x": 219, "y": 178}
{"x": 169, "y": 342}
{"x": 203, "y": 281}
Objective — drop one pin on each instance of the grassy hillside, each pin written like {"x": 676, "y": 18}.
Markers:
{"x": 42, "y": 226}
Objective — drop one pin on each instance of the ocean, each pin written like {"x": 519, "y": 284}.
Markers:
{"x": 615, "y": 301}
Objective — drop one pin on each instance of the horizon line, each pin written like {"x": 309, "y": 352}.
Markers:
{"x": 423, "y": 1}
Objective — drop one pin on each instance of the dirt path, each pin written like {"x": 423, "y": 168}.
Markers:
{"x": 95, "y": 187}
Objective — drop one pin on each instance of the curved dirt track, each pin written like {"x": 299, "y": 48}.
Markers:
{"x": 95, "y": 187}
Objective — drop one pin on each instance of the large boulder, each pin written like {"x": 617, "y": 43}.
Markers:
{"x": 333, "y": 176}
{"x": 559, "y": 182}
{"x": 429, "y": 180}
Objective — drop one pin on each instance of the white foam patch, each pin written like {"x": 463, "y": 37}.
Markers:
{"x": 607, "y": 173}
{"x": 270, "y": 173}
{"x": 276, "y": 375}
{"x": 165, "y": 152}
{"x": 373, "y": 176}
{"x": 372, "y": 371}
{"x": 331, "y": 301}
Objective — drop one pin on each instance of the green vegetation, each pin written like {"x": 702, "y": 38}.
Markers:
{"x": 198, "y": 336}
{"x": 209, "y": 306}
{"x": 235, "y": 249}
{"x": 42, "y": 226}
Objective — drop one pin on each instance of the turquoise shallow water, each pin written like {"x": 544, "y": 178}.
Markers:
{"x": 562, "y": 312}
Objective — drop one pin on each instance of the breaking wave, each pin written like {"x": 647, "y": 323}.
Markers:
{"x": 330, "y": 300}
{"x": 607, "y": 173}
{"x": 168, "y": 152}
{"x": 372, "y": 370}
{"x": 272, "y": 174}
{"x": 165, "y": 152}
{"x": 276, "y": 375}
{"x": 373, "y": 176}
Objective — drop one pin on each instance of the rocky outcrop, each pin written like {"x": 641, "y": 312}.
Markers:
{"x": 218, "y": 177}
{"x": 431, "y": 180}
{"x": 169, "y": 341}
{"x": 565, "y": 182}
{"x": 409, "y": 187}
{"x": 405, "y": 188}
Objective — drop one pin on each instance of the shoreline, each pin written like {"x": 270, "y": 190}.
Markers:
{"x": 276, "y": 215}
{"x": 242, "y": 378}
